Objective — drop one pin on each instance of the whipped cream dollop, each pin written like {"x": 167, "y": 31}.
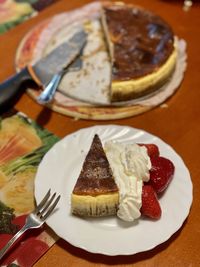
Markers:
{"x": 130, "y": 164}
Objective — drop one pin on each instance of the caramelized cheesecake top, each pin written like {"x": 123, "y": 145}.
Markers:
{"x": 141, "y": 41}
{"x": 96, "y": 176}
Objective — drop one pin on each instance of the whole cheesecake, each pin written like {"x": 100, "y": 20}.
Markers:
{"x": 95, "y": 193}
{"x": 142, "y": 50}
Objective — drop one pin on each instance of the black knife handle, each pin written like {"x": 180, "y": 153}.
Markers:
{"x": 10, "y": 87}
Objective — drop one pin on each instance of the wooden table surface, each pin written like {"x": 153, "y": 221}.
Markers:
{"x": 178, "y": 125}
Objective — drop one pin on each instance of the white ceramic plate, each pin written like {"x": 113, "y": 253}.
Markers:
{"x": 59, "y": 171}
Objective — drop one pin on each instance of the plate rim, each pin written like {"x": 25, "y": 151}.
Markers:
{"x": 100, "y": 251}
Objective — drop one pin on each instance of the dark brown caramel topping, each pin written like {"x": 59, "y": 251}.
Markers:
{"x": 142, "y": 41}
{"x": 94, "y": 187}
{"x": 96, "y": 175}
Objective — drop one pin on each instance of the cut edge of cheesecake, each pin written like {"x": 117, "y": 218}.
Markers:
{"x": 95, "y": 206}
{"x": 137, "y": 87}
{"x": 95, "y": 193}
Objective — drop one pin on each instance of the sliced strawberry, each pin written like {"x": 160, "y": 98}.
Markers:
{"x": 150, "y": 205}
{"x": 152, "y": 150}
{"x": 161, "y": 173}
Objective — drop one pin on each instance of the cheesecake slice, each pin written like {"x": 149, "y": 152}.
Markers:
{"x": 95, "y": 193}
{"x": 142, "y": 50}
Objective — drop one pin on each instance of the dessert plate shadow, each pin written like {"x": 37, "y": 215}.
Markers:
{"x": 59, "y": 170}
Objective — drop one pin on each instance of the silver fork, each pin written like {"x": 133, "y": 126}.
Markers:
{"x": 34, "y": 219}
{"x": 49, "y": 91}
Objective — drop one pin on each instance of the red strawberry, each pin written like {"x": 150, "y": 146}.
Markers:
{"x": 150, "y": 205}
{"x": 152, "y": 150}
{"x": 161, "y": 173}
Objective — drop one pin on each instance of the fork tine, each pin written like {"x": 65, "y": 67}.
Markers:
{"x": 41, "y": 204}
{"x": 51, "y": 208}
{"x": 46, "y": 205}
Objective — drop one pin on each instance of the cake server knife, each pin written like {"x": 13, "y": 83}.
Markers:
{"x": 44, "y": 69}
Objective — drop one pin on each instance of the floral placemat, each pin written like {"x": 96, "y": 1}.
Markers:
{"x": 14, "y": 12}
{"x": 22, "y": 146}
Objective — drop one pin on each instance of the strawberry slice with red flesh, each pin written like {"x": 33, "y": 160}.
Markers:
{"x": 152, "y": 150}
{"x": 161, "y": 173}
{"x": 150, "y": 205}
